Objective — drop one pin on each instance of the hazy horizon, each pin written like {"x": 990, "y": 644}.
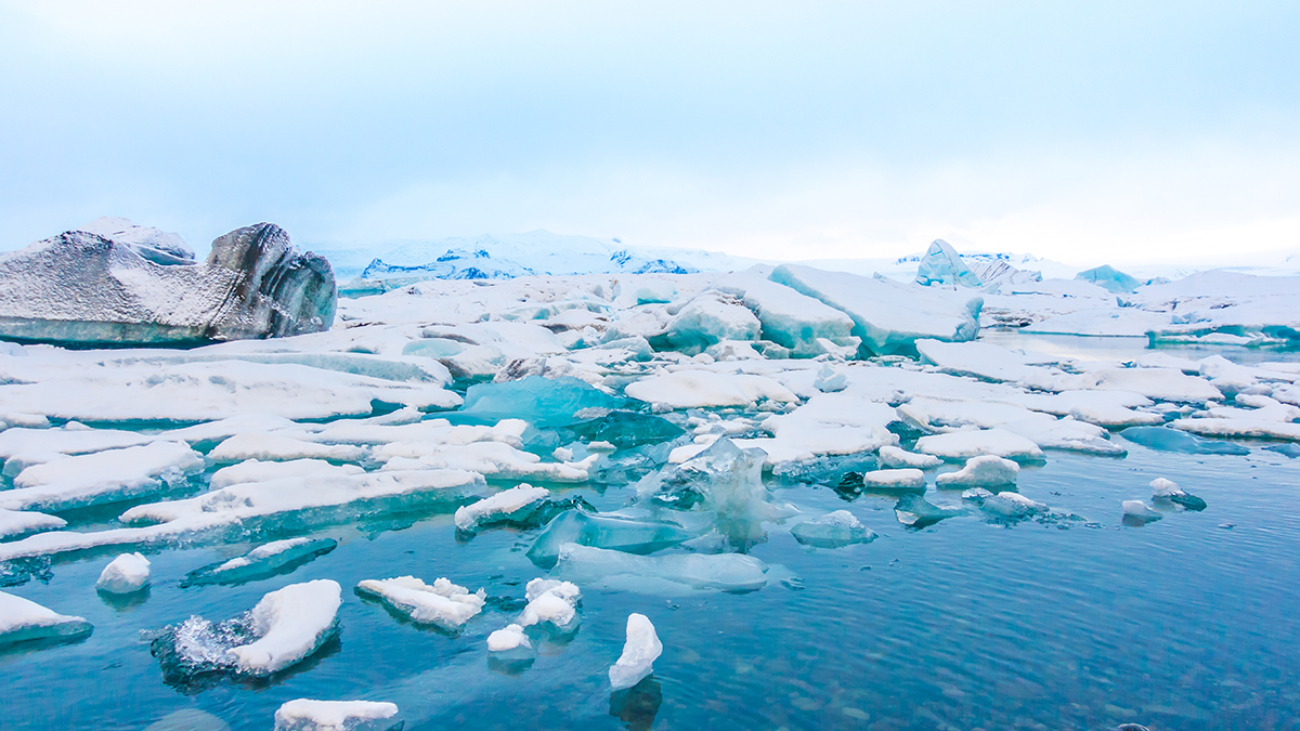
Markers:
{"x": 1111, "y": 133}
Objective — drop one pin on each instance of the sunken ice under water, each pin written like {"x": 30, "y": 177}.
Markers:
{"x": 795, "y": 592}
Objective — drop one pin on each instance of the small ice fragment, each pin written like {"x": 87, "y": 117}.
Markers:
{"x": 188, "y": 719}
{"x": 309, "y": 715}
{"x": 833, "y": 530}
{"x": 899, "y": 457}
{"x": 1162, "y": 489}
{"x": 443, "y": 604}
{"x": 984, "y": 471}
{"x": 906, "y": 479}
{"x": 513, "y": 504}
{"x": 830, "y": 380}
{"x": 1136, "y": 511}
{"x": 639, "y": 653}
{"x": 22, "y": 619}
{"x": 127, "y": 573}
{"x": 914, "y": 511}
{"x": 510, "y": 637}
{"x": 550, "y": 600}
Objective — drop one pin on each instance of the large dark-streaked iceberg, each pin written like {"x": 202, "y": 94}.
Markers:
{"x": 107, "y": 286}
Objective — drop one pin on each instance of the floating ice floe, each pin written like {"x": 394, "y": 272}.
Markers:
{"x": 898, "y": 479}
{"x": 1004, "y": 506}
{"x": 263, "y": 446}
{"x": 21, "y": 523}
{"x": 102, "y": 477}
{"x": 1138, "y": 512}
{"x": 309, "y": 715}
{"x": 983, "y": 471}
{"x": 310, "y": 500}
{"x": 1170, "y": 440}
{"x": 891, "y": 456}
{"x": 442, "y": 604}
{"x": 71, "y": 438}
{"x": 22, "y": 620}
{"x": 724, "y": 571}
{"x": 701, "y": 388}
{"x": 915, "y": 511}
{"x": 490, "y": 459}
{"x": 127, "y": 573}
{"x": 261, "y": 562}
{"x": 510, "y": 638}
{"x": 833, "y": 530}
{"x": 640, "y": 651}
{"x": 513, "y": 505}
{"x": 962, "y": 445}
{"x": 550, "y": 600}
{"x": 284, "y": 628}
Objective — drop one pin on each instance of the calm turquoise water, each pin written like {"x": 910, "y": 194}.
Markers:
{"x": 1181, "y": 624}
{"x": 1186, "y": 623}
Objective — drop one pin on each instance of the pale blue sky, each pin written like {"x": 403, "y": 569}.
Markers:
{"x": 1082, "y": 132}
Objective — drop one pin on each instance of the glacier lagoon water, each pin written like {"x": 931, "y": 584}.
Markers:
{"x": 1186, "y": 623}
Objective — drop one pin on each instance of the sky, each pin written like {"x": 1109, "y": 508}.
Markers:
{"x": 1083, "y": 132}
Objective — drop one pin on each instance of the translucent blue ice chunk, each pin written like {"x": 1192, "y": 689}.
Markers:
{"x": 545, "y": 402}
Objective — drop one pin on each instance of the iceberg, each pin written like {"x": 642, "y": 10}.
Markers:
{"x": 271, "y": 559}
{"x": 984, "y": 471}
{"x": 790, "y": 319}
{"x": 888, "y": 317}
{"x": 309, "y": 715}
{"x": 710, "y": 318}
{"x": 833, "y": 530}
{"x": 1110, "y": 279}
{"x": 443, "y": 604}
{"x": 82, "y": 289}
{"x": 640, "y": 651}
{"x": 22, "y": 620}
{"x": 943, "y": 265}
{"x": 126, "y": 574}
{"x": 724, "y": 572}
{"x": 603, "y": 531}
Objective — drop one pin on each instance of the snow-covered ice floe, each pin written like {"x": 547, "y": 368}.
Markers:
{"x": 284, "y": 628}
{"x": 442, "y": 604}
{"x": 310, "y": 715}
{"x": 22, "y": 620}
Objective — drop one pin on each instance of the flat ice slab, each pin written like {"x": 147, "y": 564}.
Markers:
{"x": 310, "y": 715}
{"x": 22, "y": 619}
